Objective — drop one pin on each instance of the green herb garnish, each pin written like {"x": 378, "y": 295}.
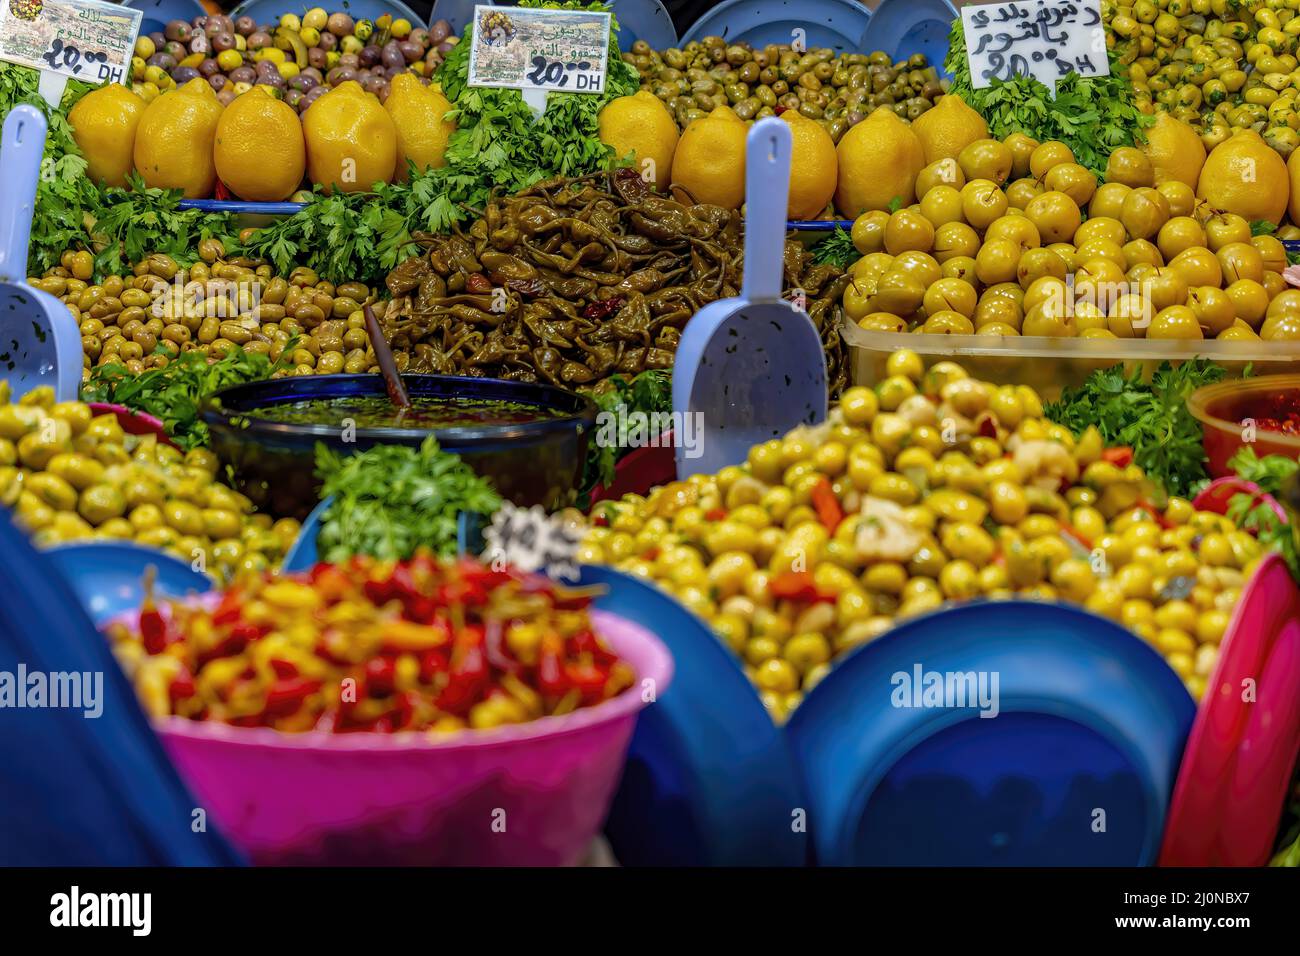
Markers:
{"x": 1151, "y": 418}
{"x": 1249, "y": 513}
{"x": 175, "y": 393}
{"x": 837, "y": 249}
{"x": 649, "y": 392}
{"x": 391, "y": 499}
{"x": 1092, "y": 115}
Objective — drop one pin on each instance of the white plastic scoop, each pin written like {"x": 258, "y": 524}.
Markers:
{"x": 40, "y": 343}
{"x": 749, "y": 369}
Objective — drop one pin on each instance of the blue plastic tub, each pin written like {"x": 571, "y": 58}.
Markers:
{"x": 158, "y": 13}
{"x": 1074, "y": 766}
{"x": 837, "y": 24}
{"x": 905, "y": 27}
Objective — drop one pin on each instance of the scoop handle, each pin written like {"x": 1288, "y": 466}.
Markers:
{"x": 767, "y": 193}
{"x": 22, "y": 143}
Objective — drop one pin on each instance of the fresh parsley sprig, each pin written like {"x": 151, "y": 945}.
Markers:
{"x": 175, "y": 393}
{"x": 391, "y": 499}
{"x": 1092, "y": 115}
{"x": 1151, "y": 418}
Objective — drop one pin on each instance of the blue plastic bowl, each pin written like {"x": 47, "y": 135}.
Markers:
{"x": 837, "y": 24}
{"x": 709, "y": 780}
{"x": 1074, "y": 767}
{"x": 273, "y": 462}
{"x": 158, "y": 13}
{"x": 108, "y": 576}
{"x": 904, "y": 27}
{"x": 270, "y": 11}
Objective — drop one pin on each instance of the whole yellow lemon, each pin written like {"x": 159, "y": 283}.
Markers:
{"x": 104, "y": 123}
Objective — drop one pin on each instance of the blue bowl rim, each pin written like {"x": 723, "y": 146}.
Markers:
{"x": 215, "y": 413}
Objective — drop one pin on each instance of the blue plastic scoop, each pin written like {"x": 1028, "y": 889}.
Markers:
{"x": 40, "y": 343}
{"x": 750, "y": 368}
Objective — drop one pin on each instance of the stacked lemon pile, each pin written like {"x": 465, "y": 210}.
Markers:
{"x": 990, "y": 237}
{"x": 257, "y": 146}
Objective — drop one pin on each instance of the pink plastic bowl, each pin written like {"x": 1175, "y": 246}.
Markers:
{"x": 525, "y": 795}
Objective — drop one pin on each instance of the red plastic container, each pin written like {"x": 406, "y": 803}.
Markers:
{"x": 133, "y": 423}
{"x": 1223, "y": 410}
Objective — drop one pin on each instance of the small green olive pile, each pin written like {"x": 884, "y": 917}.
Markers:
{"x": 837, "y": 91}
{"x": 933, "y": 487}
{"x": 144, "y": 320}
{"x": 69, "y": 474}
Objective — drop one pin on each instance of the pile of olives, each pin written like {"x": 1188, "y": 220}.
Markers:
{"x": 144, "y": 320}
{"x": 790, "y": 583}
{"x": 301, "y": 57}
{"x": 998, "y": 244}
{"x": 836, "y": 90}
{"x": 69, "y": 474}
{"x": 1218, "y": 65}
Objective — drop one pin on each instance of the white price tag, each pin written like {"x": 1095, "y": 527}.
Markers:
{"x": 79, "y": 39}
{"x": 1045, "y": 39}
{"x": 563, "y": 51}
{"x": 531, "y": 540}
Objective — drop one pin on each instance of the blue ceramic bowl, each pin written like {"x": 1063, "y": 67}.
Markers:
{"x": 538, "y": 462}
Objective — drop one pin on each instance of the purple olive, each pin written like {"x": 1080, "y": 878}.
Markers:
{"x": 164, "y": 61}
{"x": 392, "y": 55}
{"x": 178, "y": 30}
{"x": 219, "y": 24}
{"x": 242, "y": 74}
{"x": 349, "y": 59}
{"x": 159, "y": 41}
{"x": 316, "y": 57}
{"x": 183, "y": 74}
{"x": 439, "y": 30}
{"x": 445, "y": 46}
{"x": 271, "y": 79}
{"x": 218, "y": 81}
{"x": 226, "y": 96}
{"x": 245, "y": 25}
{"x": 302, "y": 83}
{"x": 383, "y": 91}
{"x": 200, "y": 43}
{"x": 420, "y": 36}
{"x": 327, "y": 42}
{"x": 371, "y": 83}
{"x": 339, "y": 24}
{"x": 209, "y": 68}
{"x": 311, "y": 96}
{"x": 369, "y": 56}
{"x": 314, "y": 73}
{"x": 223, "y": 42}
{"x": 177, "y": 49}
{"x": 293, "y": 97}
{"x": 259, "y": 40}
{"x": 411, "y": 51}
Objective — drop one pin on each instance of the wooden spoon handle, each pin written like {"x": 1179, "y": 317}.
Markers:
{"x": 396, "y": 389}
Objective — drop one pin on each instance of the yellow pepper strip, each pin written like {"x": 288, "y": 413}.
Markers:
{"x": 408, "y": 636}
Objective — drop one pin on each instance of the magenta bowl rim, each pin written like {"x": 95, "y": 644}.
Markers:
{"x": 658, "y": 667}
